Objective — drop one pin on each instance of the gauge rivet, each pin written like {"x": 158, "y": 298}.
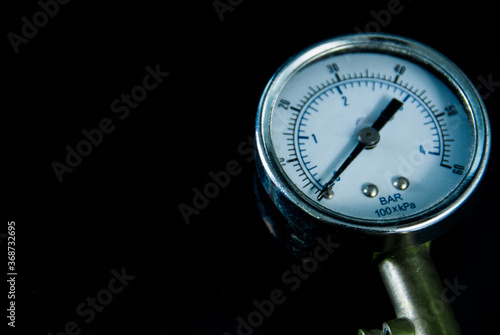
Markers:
{"x": 370, "y": 190}
{"x": 401, "y": 183}
{"x": 329, "y": 193}
{"x": 369, "y": 136}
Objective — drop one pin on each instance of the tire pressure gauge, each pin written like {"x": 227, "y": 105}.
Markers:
{"x": 371, "y": 134}
{"x": 373, "y": 137}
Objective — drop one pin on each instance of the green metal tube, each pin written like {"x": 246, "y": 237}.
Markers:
{"x": 416, "y": 291}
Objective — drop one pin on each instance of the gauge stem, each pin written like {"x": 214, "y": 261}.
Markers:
{"x": 416, "y": 291}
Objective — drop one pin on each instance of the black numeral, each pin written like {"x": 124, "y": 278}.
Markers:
{"x": 451, "y": 110}
{"x": 333, "y": 67}
{"x": 284, "y": 103}
{"x": 458, "y": 169}
{"x": 400, "y": 69}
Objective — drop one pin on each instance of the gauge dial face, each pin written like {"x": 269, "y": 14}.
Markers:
{"x": 324, "y": 106}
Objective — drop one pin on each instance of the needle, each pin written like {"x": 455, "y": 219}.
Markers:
{"x": 368, "y": 138}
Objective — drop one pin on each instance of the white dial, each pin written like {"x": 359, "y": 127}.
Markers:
{"x": 369, "y": 133}
{"x": 423, "y": 151}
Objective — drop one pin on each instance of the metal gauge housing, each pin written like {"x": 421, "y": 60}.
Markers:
{"x": 371, "y": 135}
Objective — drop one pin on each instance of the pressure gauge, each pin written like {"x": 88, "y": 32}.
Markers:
{"x": 371, "y": 135}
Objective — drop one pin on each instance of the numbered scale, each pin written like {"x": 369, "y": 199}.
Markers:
{"x": 374, "y": 138}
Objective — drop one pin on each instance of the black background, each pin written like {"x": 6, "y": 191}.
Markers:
{"x": 119, "y": 207}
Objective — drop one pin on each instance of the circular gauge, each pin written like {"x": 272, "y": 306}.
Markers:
{"x": 371, "y": 133}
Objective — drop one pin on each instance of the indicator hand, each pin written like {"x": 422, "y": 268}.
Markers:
{"x": 368, "y": 138}
{"x": 344, "y": 165}
{"x": 387, "y": 114}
